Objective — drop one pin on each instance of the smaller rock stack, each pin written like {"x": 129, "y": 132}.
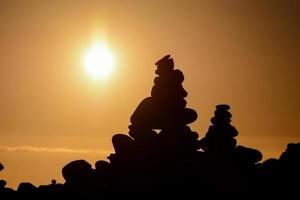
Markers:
{"x": 220, "y": 136}
{"x": 220, "y": 140}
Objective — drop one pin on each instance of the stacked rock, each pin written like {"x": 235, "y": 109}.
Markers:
{"x": 220, "y": 139}
{"x": 220, "y": 136}
{"x": 164, "y": 110}
{"x": 166, "y": 106}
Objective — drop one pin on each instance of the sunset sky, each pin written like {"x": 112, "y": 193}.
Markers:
{"x": 243, "y": 53}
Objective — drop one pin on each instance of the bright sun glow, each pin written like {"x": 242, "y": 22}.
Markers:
{"x": 99, "y": 62}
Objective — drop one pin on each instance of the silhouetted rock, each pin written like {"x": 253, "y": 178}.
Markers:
{"x": 1, "y": 167}
{"x": 279, "y": 176}
{"x": 3, "y": 190}
{"x": 290, "y": 163}
{"x": 140, "y": 133}
{"x": 27, "y": 188}
{"x": 102, "y": 166}
{"x": 53, "y": 189}
{"x": 103, "y": 169}
{"x": 123, "y": 144}
{"x": 77, "y": 171}
{"x": 270, "y": 168}
{"x": 2, "y": 184}
{"x": 247, "y": 155}
{"x": 103, "y": 174}
{"x": 53, "y": 182}
{"x": 164, "y": 65}
{"x": 291, "y": 155}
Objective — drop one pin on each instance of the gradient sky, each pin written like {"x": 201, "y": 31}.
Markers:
{"x": 243, "y": 53}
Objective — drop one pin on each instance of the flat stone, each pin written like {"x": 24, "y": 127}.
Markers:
{"x": 151, "y": 114}
{"x": 223, "y": 107}
{"x": 164, "y": 65}
{"x": 248, "y": 155}
{"x": 164, "y": 91}
{"x": 222, "y": 114}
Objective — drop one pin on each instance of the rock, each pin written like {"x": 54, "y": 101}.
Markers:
{"x": 219, "y": 121}
{"x": 177, "y": 76}
{"x": 165, "y": 92}
{"x": 222, "y": 145}
{"x": 163, "y": 60}
{"x": 248, "y": 155}
{"x": 144, "y": 113}
{"x": 223, "y": 107}
{"x": 77, "y": 171}
{"x": 164, "y": 65}
{"x": 225, "y": 130}
{"x": 102, "y": 167}
{"x": 141, "y": 134}
{"x": 2, "y": 184}
{"x": 149, "y": 114}
{"x": 53, "y": 182}
{"x": 1, "y": 167}
{"x": 271, "y": 165}
{"x": 222, "y": 114}
{"x": 26, "y": 188}
{"x": 291, "y": 154}
{"x": 103, "y": 172}
{"x": 172, "y": 78}
{"x": 122, "y": 144}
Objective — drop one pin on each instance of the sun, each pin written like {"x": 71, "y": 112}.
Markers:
{"x": 99, "y": 62}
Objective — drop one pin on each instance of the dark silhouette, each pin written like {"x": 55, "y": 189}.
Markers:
{"x": 220, "y": 136}
{"x": 161, "y": 155}
{"x": 3, "y": 190}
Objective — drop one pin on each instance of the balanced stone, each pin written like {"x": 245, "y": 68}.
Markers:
{"x": 164, "y": 65}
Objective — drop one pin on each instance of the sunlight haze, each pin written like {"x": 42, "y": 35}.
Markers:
{"x": 54, "y": 109}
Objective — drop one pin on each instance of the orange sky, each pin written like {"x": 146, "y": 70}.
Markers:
{"x": 242, "y": 53}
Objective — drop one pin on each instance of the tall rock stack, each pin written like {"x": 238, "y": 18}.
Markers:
{"x": 166, "y": 110}
{"x": 220, "y": 135}
{"x": 159, "y": 123}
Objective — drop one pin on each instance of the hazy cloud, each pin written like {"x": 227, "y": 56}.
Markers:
{"x": 50, "y": 150}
